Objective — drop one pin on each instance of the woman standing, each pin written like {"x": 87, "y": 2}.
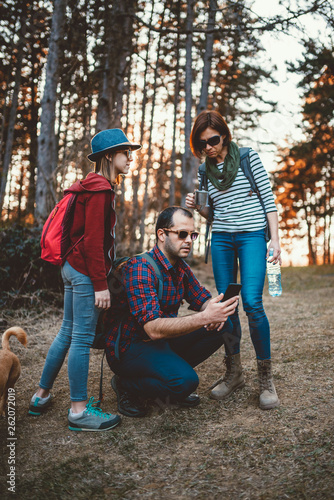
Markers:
{"x": 85, "y": 281}
{"x": 238, "y": 240}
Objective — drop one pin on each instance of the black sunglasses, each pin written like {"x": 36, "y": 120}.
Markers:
{"x": 213, "y": 141}
{"x": 183, "y": 234}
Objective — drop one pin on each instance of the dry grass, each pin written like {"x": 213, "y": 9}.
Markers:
{"x": 227, "y": 450}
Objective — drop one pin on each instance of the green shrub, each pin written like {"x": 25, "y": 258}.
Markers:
{"x": 21, "y": 268}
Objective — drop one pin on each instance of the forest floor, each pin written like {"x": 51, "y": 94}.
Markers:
{"x": 230, "y": 450}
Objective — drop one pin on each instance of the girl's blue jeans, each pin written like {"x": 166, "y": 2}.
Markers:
{"x": 248, "y": 249}
{"x": 76, "y": 334}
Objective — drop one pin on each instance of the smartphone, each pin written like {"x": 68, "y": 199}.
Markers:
{"x": 232, "y": 290}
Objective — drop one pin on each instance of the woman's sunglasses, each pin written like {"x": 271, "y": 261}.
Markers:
{"x": 213, "y": 141}
{"x": 183, "y": 234}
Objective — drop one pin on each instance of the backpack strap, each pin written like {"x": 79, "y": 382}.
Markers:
{"x": 204, "y": 180}
{"x": 160, "y": 290}
{"x": 72, "y": 248}
{"x": 101, "y": 383}
{"x": 203, "y": 185}
{"x": 157, "y": 271}
{"x": 246, "y": 168}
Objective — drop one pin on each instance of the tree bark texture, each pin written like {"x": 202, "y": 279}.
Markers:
{"x": 203, "y": 101}
{"x": 176, "y": 107}
{"x": 187, "y": 174}
{"x": 12, "y": 114}
{"x": 137, "y": 178}
{"x": 45, "y": 192}
{"x": 149, "y": 153}
{"x": 119, "y": 44}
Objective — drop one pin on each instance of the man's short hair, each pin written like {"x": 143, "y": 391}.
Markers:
{"x": 165, "y": 218}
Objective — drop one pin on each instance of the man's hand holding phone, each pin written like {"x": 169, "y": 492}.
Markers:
{"x": 231, "y": 293}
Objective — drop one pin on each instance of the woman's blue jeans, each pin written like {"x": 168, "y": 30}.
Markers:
{"x": 249, "y": 250}
{"x": 76, "y": 334}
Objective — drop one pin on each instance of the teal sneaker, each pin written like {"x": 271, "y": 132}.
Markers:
{"x": 39, "y": 405}
{"x": 93, "y": 419}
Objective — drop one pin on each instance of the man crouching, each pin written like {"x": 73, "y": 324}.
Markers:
{"x": 152, "y": 351}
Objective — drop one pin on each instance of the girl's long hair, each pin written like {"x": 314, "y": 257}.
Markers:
{"x": 105, "y": 167}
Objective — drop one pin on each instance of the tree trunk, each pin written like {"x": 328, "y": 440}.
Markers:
{"x": 33, "y": 144}
{"x": 311, "y": 253}
{"x": 20, "y": 196}
{"x": 176, "y": 103}
{"x": 123, "y": 64}
{"x": 203, "y": 101}
{"x": 12, "y": 115}
{"x": 161, "y": 174}
{"x": 6, "y": 100}
{"x": 123, "y": 229}
{"x": 9, "y": 190}
{"x": 329, "y": 239}
{"x": 149, "y": 153}
{"x": 187, "y": 174}
{"x": 119, "y": 34}
{"x": 137, "y": 178}
{"x": 45, "y": 193}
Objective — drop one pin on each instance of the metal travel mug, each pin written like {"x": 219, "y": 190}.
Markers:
{"x": 202, "y": 197}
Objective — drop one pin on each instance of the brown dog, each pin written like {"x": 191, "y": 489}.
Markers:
{"x": 10, "y": 367}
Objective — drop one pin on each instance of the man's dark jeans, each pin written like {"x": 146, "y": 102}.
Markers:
{"x": 165, "y": 369}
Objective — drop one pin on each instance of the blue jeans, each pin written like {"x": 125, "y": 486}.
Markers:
{"x": 249, "y": 250}
{"x": 165, "y": 368}
{"x": 76, "y": 334}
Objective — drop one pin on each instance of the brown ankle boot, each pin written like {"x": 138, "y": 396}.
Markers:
{"x": 268, "y": 395}
{"x": 233, "y": 378}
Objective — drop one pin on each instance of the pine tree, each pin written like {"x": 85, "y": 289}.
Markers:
{"x": 47, "y": 146}
{"x": 305, "y": 183}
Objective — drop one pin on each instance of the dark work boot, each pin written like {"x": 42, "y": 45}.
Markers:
{"x": 127, "y": 403}
{"x": 190, "y": 401}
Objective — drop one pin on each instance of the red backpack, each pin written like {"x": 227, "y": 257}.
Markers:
{"x": 55, "y": 240}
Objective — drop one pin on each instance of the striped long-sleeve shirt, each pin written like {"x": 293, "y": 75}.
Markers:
{"x": 235, "y": 209}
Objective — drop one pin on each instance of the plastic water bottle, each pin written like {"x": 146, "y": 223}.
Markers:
{"x": 274, "y": 277}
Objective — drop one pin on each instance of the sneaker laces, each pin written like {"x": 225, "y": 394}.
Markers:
{"x": 91, "y": 409}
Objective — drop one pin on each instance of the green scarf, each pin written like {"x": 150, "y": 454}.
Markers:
{"x": 224, "y": 180}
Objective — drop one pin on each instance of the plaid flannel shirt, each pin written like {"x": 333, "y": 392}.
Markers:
{"x": 138, "y": 303}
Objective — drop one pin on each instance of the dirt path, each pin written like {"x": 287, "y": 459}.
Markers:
{"x": 229, "y": 450}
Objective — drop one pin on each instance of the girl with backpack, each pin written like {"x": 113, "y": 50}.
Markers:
{"x": 238, "y": 240}
{"x": 84, "y": 273}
